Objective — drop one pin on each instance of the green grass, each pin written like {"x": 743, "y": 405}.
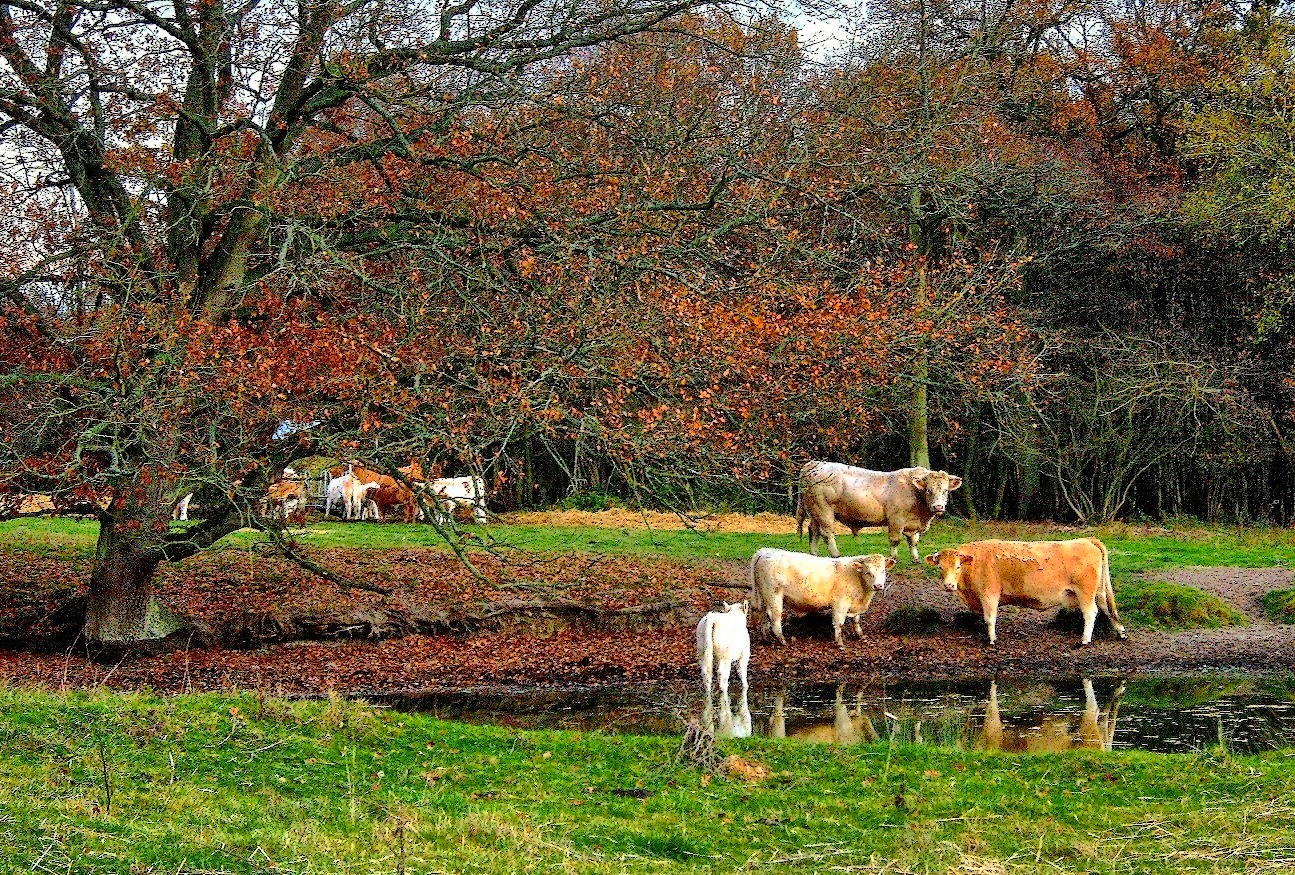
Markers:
{"x": 1173, "y": 607}
{"x": 1279, "y": 605}
{"x": 1132, "y": 550}
{"x": 247, "y": 784}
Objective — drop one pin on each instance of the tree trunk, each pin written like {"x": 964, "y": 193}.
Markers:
{"x": 120, "y": 608}
{"x": 919, "y": 451}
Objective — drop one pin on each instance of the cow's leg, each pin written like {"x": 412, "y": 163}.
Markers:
{"x": 913, "y": 538}
{"x": 1090, "y": 619}
{"x": 858, "y": 630}
{"x": 741, "y": 668}
{"x": 829, "y": 532}
{"x": 775, "y": 616}
{"x": 723, "y": 666}
{"x": 989, "y": 610}
{"x": 778, "y": 717}
{"x": 839, "y": 611}
{"x": 479, "y": 514}
{"x": 893, "y": 534}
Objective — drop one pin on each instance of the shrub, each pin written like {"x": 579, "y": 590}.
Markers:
{"x": 593, "y": 500}
{"x": 1172, "y": 607}
{"x": 1279, "y": 605}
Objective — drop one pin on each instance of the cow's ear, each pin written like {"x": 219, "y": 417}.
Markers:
{"x": 918, "y": 480}
{"x": 954, "y": 483}
{"x": 932, "y": 559}
{"x": 890, "y": 562}
{"x": 964, "y": 558}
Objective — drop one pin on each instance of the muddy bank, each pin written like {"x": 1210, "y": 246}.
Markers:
{"x": 650, "y": 641}
{"x": 237, "y": 599}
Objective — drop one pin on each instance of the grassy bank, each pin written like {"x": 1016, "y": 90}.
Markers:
{"x": 1133, "y": 550}
{"x": 109, "y": 783}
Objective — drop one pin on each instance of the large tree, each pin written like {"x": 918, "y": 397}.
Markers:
{"x": 174, "y": 301}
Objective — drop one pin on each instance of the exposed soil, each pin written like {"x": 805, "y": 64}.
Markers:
{"x": 565, "y": 622}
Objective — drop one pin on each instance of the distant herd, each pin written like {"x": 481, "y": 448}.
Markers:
{"x": 985, "y": 574}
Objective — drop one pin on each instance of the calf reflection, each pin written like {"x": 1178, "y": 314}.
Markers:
{"x": 847, "y": 727}
{"x": 730, "y": 723}
{"x": 1094, "y": 729}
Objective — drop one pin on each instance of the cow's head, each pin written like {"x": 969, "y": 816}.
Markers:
{"x": 737, "y": 607}
{"x": 950, "y": 563}
{"x": 935, "y": 487}
{"x": 873, "y": 568}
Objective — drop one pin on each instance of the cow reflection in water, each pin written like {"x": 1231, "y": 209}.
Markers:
{"x": 847, "y": 727}
{"x": 727, "y": 723}
{"x": 1094, "y": 729}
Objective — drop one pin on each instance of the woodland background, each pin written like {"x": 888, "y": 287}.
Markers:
{"x": 664, "y": 252}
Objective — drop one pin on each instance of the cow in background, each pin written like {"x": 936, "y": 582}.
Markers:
{"x": 904, "y": 501}
{"x": 389, "y": 494}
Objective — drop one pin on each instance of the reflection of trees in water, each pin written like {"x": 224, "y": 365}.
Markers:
{"x": 1250, "y": 715}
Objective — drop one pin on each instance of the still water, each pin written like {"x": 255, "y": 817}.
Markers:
{"x": 1169, "y": 715}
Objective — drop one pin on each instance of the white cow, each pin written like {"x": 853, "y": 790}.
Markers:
{"x": 455, "y": 492}
{"x": 334, "y": 493}
{"x": 181, "y": 511}
{"x": 722, "y": 640}
{"x": 844, "y": 586}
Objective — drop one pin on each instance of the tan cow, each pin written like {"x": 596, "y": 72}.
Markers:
{"x": 805, "y": 584}
{"x": 1031, "y": 574}
{"x": 1094, "y": 730}
{"x": 287, "y": 500}
{"x": 904, "y": 501}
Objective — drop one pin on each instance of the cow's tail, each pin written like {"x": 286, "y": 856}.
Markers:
{"x": 800, "y": 516}
{"x": 754, "y": 590}
{"x": 1107, "y": 600}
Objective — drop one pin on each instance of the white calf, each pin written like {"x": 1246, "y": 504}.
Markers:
{"x": 355, "y": 497}
{"x": 722, "y": 640}
{"x": 181, "y": 511}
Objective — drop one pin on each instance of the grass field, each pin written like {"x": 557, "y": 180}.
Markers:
{"x": 204, "y": 784}
{"x": 1133, "y": 550}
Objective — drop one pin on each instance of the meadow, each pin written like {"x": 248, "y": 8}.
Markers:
{"x": 113, "y": 783}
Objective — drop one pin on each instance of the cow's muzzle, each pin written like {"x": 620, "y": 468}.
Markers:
{"x": 937, "y": 509}
{"x": 951, "y": 586}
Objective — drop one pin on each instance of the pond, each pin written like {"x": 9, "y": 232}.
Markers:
{"x": 1168, "y": 715}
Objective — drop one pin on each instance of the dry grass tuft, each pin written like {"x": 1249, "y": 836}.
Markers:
{"x": 746, "y": 770}
{"x": 624, "y": 518}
